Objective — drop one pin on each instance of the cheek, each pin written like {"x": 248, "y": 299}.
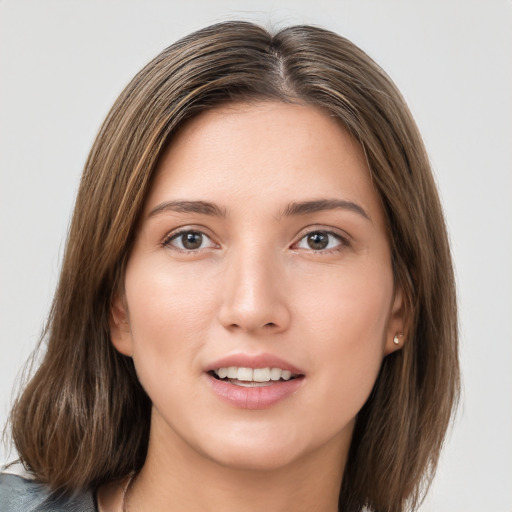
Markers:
{"x": 169, "y": 316}
{"x": 350, "y": 304}
{"x": 347, "y": 323}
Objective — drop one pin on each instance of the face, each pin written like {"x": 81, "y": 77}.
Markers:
{"x": 259, "y": 300}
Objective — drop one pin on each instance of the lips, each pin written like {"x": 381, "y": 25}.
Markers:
{"x": 253, "y": 382}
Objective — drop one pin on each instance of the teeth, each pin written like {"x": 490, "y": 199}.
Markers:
{"x": 245, "y": 374}
{"x": 254, "y": 375}
{"x": 261, "y": 374}
{"x": 275, "y": 373}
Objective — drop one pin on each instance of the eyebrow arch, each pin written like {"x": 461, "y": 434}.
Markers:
{"x": 306, "y": 207}
{"x": 202, "y": 207}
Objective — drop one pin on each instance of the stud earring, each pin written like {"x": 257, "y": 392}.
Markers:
{"x": 396, "y": 340}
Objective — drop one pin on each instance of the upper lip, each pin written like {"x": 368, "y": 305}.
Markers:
{"x": 253, "y": 361}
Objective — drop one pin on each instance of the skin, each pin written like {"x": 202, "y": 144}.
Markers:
{"x": 256, "y": 285}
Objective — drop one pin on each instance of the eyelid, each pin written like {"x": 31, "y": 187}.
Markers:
{"x": 341, "y": 236}
{"x": 176, "y": 233}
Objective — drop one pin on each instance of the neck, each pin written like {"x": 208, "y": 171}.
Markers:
{"x": 176, "y": 478}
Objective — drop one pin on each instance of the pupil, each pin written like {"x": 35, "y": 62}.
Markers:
{"x": 192, "y": 240}
{"x": 318, "y": 241}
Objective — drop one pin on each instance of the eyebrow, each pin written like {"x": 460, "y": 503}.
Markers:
{"x": 202, "y": 207}
{"x": 307, "y": 207}
{"x": 293, "y": 209}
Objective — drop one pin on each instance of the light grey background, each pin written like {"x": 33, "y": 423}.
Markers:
{"x": 62, "y": 64}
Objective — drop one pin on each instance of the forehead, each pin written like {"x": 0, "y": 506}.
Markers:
{"x": 264, "y": 153}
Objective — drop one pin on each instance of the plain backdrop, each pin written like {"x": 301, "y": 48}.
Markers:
{"x": 62, "y": 64}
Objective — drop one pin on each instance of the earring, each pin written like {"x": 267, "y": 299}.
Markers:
{"x": 396, "y": 340}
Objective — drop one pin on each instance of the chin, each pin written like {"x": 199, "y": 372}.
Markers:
{"x": 252, "y": 452}
{"x": 256, "y": 458}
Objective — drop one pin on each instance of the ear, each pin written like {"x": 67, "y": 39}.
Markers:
{"x": 120, "y": 333}
{"x": 396, "y": 332}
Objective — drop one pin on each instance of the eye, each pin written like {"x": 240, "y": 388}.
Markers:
{"x": 189, "y": 240}
{"x": 321, "y": 241}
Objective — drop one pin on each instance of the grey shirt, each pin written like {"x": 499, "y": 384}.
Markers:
{"x": 18, "y": 494}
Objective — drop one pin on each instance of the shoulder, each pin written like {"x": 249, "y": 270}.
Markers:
{"x": 20, "y": 493}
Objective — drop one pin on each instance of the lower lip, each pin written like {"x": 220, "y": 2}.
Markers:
{"x": 261, "y": 397}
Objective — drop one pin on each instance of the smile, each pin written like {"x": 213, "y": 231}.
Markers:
{"x": 253, "y": 381}
{"x": 252, "y": 377}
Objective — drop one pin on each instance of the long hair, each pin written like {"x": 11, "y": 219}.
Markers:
{"x": 83, "y": 418}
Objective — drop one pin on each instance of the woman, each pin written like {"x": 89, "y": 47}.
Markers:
{"x": 256, "y": 306}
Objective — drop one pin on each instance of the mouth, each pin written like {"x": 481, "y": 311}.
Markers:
{"x": 253, "y": 377}
{"x": 260, "y": 381}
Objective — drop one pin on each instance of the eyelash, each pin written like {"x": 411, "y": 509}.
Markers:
{"x": 343, "y": 242}
{"x": 179, "y": 234}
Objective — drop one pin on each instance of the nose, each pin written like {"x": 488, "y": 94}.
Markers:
{"x": 254, "y": 296}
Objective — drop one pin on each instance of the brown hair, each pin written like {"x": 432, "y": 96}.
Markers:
{"x": 83, "y": 419}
